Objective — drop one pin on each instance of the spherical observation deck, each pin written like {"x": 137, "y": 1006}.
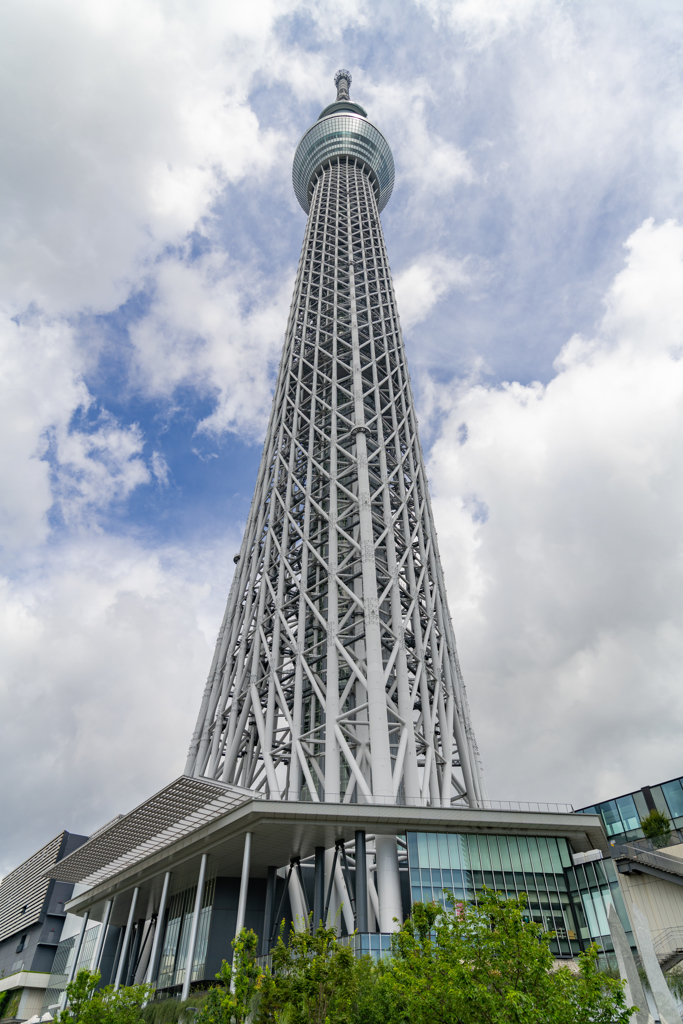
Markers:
{"x": 343, "y": 130}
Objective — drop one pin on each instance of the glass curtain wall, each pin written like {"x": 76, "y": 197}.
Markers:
{"x": 572, "y": 902}
{"x": 177, "y": 936}
{"x": 62, "y": 963}
{"x": 622, "y": 815}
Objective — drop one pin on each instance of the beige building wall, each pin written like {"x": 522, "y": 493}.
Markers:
{"x": 31, "y": 1002}
{"x": 660, "y": 901}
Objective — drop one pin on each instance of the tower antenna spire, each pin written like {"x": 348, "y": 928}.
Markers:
{"x": 342, "y": 80}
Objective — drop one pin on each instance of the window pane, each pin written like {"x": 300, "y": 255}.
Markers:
{"x": 545, "y": 856}
{"x": 457, "y": 851}
{"x": 524, "y": 853}
{"x": 494, "y": 853}
{"x": 554, "y": 855}
{"x": 628, "y": 813}
{"x": 674, "y": 797}
{"x": 611, "y": 818}
{"x": 513, "y": 847}
{"x": 473, "y": 848}
{"x": 534, "y": 854}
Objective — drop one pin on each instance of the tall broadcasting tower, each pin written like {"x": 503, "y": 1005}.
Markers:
{"x": 335, "y": 676}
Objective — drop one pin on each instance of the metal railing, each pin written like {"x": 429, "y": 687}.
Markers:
{"x": 668, "y": 940}
{"x": 653, "y": 858}
{"x": 525, "y": 805}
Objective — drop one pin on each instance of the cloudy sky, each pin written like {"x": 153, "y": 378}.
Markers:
{"x": 148, "y": 242}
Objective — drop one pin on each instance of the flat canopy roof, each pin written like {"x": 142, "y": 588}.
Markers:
{"x": 282, "y": 830}
{"x": 177, "y": 810}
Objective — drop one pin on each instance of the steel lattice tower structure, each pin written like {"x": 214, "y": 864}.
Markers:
{"x": 335, "y": 676}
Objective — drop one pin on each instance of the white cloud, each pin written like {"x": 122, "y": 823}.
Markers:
{"x": 219, "y": 329}
{"x": 431, "y": 164}
{"x": 481, "y": 20}
{"x": 421, "y": 285}
{"x": 160, "y": 468}
{"x": 568, "y": 596}
{"x": 98, "y": 467}
{"x": 122, "y": 121}
{"x": 104, "y": 649}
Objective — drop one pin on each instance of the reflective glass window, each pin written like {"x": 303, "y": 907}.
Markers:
{"x": 536, "y": 865}
{"x": 524, "y": 853}
{"x": 484, "y": 857}
{"x": 513, "y": 847}
{"x": 494, "y": 852}
{"x": 673, "y": 795}
{"x": 473, "y": 849}
{"x": 628, "y": 812}
{"x": 611, "y": 817}
{"x": 444, "y": 857}
{"x": 544, "y": 854}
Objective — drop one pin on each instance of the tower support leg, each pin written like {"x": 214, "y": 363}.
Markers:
{"x": 318, "y": 888}
{"x": 388, "y": 884}
{"x": 361, "y": 883}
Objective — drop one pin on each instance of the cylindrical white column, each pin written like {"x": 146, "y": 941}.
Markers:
{"x": 242, "y": 902}
{"x": 189, "y": 962}
{"x": 101, "y": 937}
{"x": 244, "y": 885}
{"x": 300, "y": 919}
{"x": 77, "y": 953}
{"x": 158, "y": 930}
{"x": 126, "y": 939}
{"x": 388, "y": 883}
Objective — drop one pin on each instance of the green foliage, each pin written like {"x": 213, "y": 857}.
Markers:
{"x": 172, "y": 1011}
{"x": 4, "y": 999}
{"x": 313, "y": 981}
{"x": 674, "y": 979}
{"x": 85, "y": 1006}
{"x": 78, "y": 994}
{"x": 12, "y": 1005}
{"x": 480, "y": 964}
{"x": 223, "y": 1006}
{"x": 657, "y": 827}
{"x": 485, "y": 965}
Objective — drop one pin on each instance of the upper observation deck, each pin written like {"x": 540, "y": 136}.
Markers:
{"x": 343, "y": 129}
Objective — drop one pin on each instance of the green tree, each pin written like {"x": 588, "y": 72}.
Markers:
{"x": 226, "y": 1006}
{"x": 85, "y": 1006}
{"x": 484, "y": 964}
{"x": 313, "y": 981}
{"x": 657, "y": 827}
{"x": 78, "y": 994}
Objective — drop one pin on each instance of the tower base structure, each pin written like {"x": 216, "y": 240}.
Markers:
{"x": 180, "y": 875}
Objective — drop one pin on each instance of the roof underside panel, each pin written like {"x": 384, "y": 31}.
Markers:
{"x": 175, "y": 811}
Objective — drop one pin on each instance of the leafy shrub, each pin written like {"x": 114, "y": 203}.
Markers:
{"x": 657, "y": 827}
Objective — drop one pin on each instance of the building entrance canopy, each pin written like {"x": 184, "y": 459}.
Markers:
{"x": 176, "y": 811}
